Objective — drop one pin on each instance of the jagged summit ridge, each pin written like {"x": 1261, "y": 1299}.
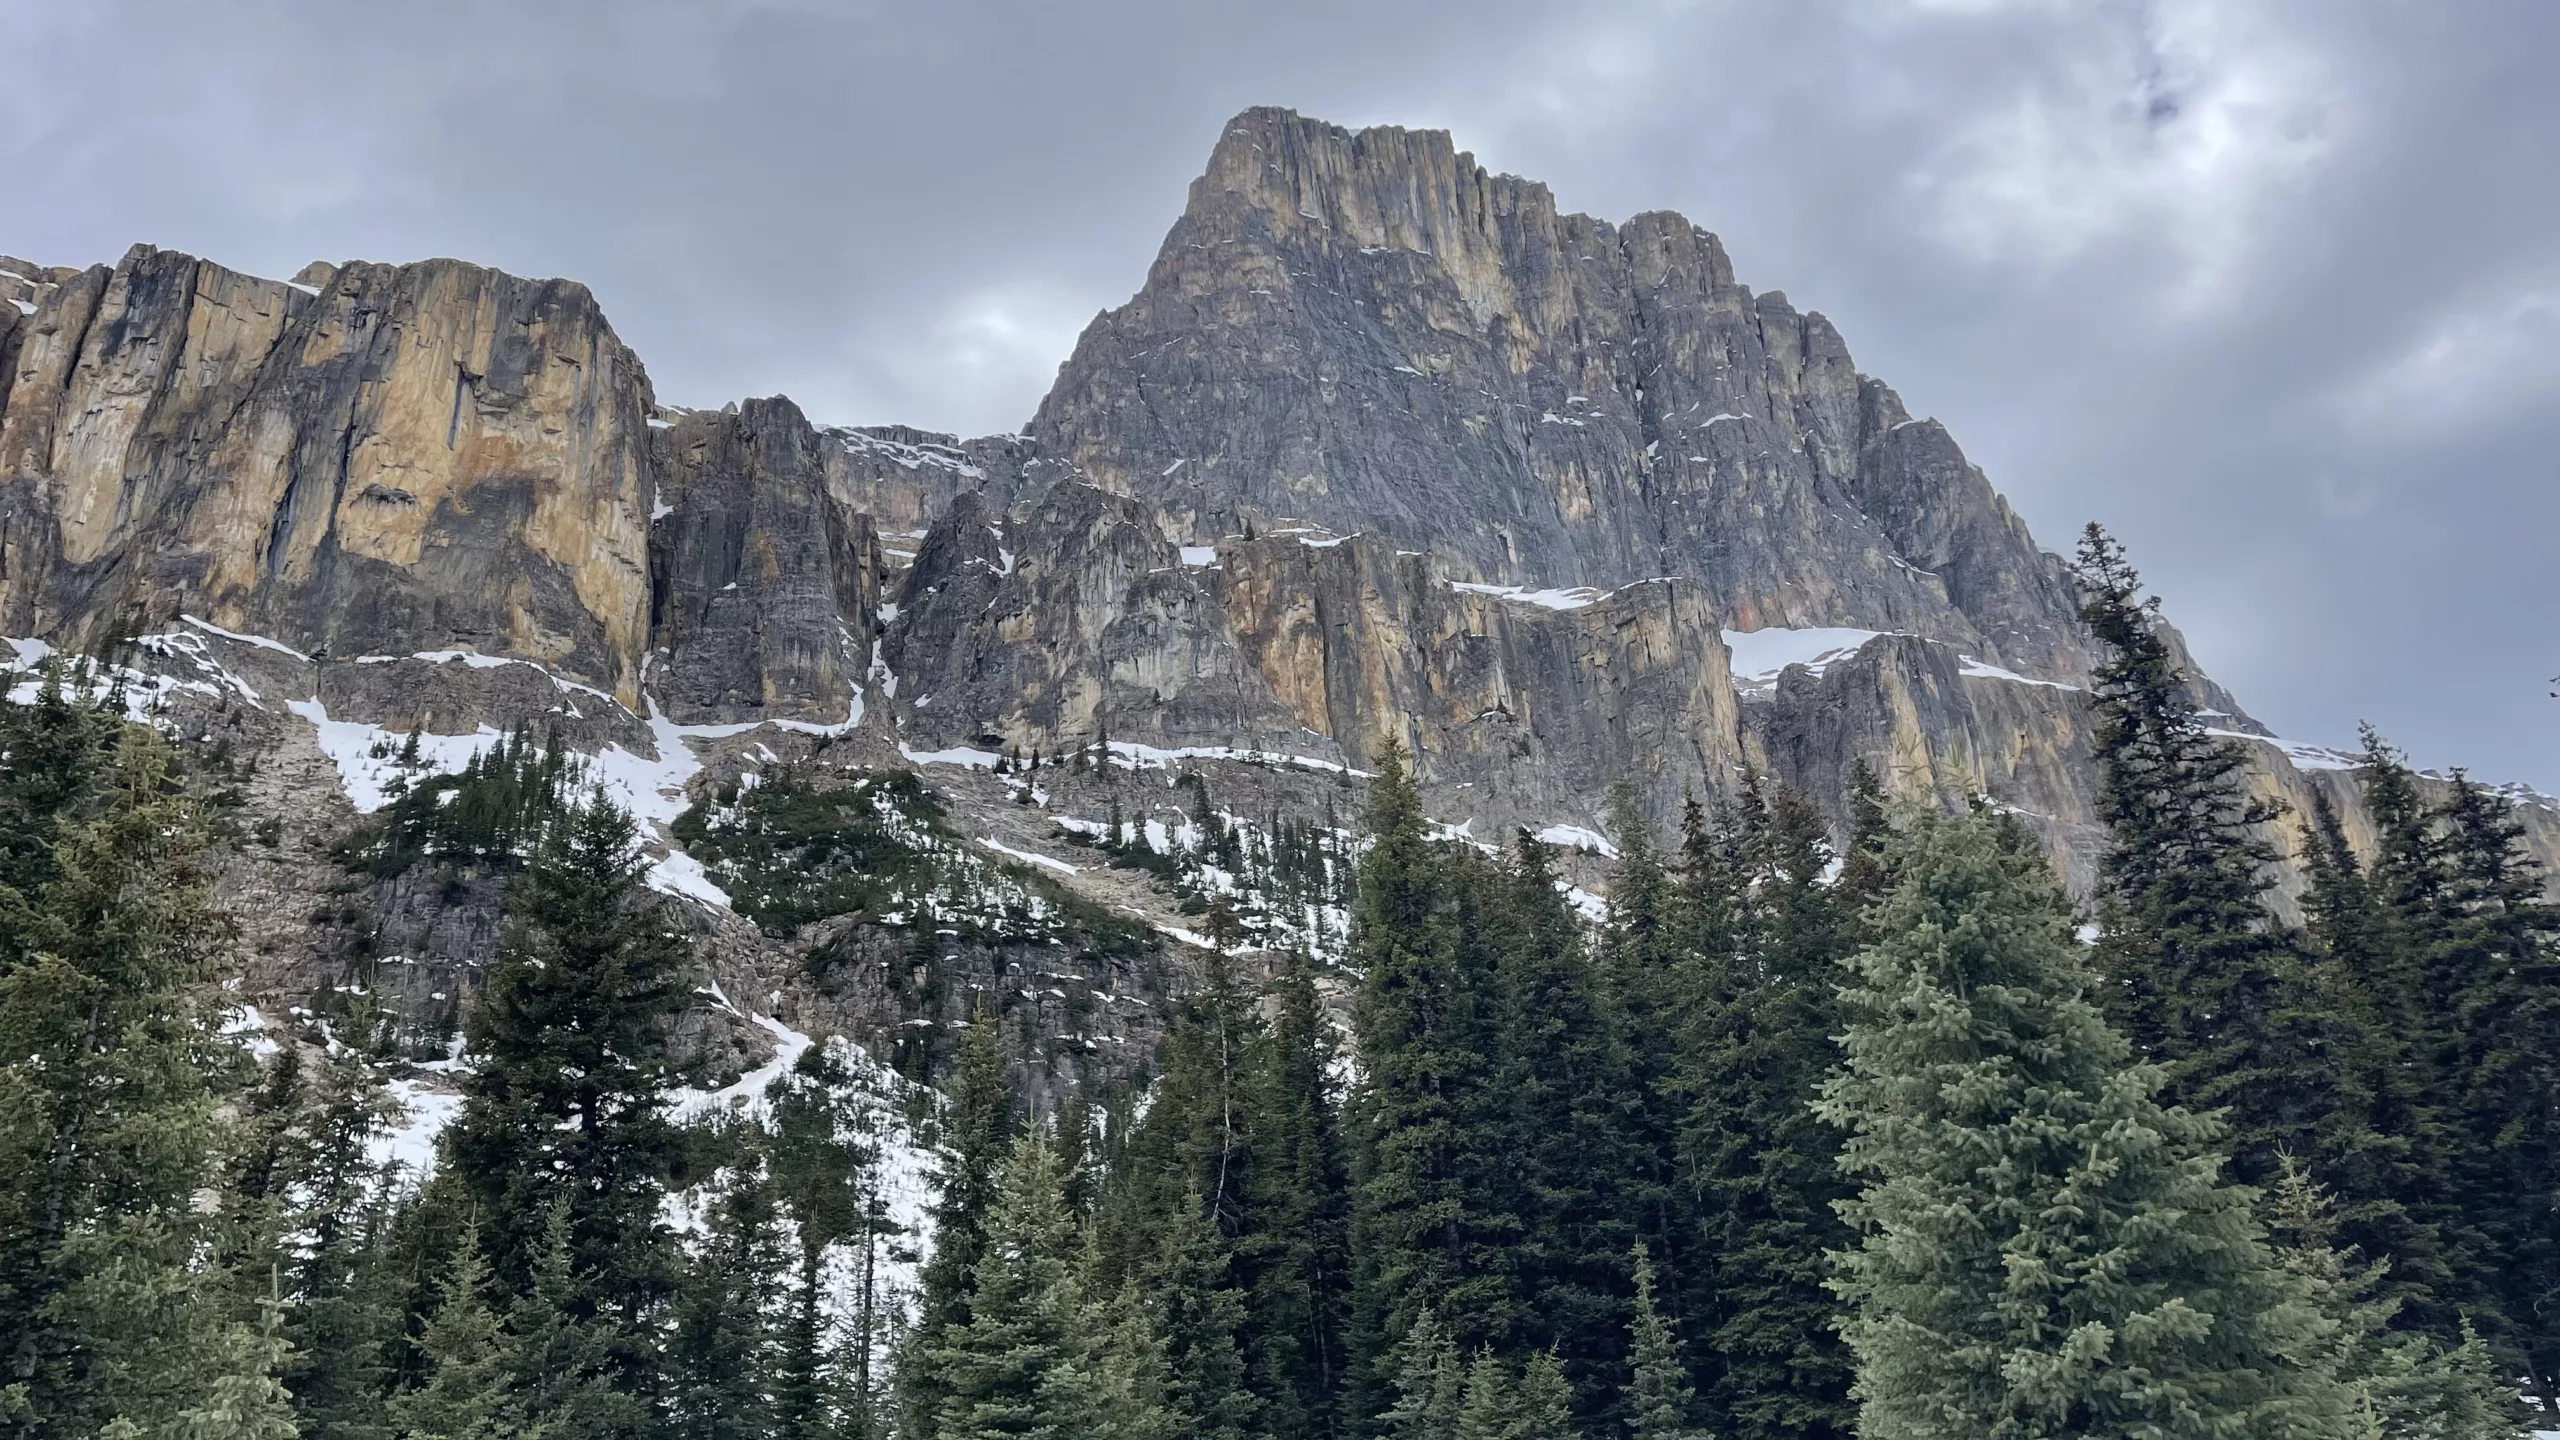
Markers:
{"x": 1366, "y": 330}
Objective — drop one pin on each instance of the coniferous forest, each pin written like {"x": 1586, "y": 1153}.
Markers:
{"x": 1815, "y": 1134}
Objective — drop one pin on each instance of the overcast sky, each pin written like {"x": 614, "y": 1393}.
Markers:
{"x": 2273, "y": 289}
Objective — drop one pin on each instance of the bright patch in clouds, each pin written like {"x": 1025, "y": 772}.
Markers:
{"x": 2477, "y": 359}
{"x": 2179, "y": 122}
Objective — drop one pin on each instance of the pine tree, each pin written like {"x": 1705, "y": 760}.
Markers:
{"x": 1011, "y": 1368}
{"x": 2499, "y": 959}
{"x": 1658, "y": 1392}
{"x": 566, "y": 1100}
{"x": 111, "y": 1078}
{"x": 569, "y": 1375}
{"x": 1758, "y": 1171}
{"x": 1491, "y": 1409}
{"x": 1422, "y": 1229}
{"x": 2043, "y": 1248}
{"x": 1544, "y": 1400}
{"x": 1430, "y": 1384}
{"x": 723, "y": 1354}
{"x": 1291, "y": 1255}
{"x": 2203, "y": 981}
{"x": 1561, "y": 1133}
{"x": 976, "y": 1129}
{"x": 2397, "y": 1384}
{"x": 2385, "y": 1168}
{"x": 465, "y": 1394}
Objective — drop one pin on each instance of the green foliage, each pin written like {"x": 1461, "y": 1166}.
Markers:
{"x": 115, "y": 1312}
{"x": 564, "y": 1106}
{"x": 789, "y": 852}
{"x": 492, "y": 812}
{"x": 1758, "y": 1182}
{"x": 1659, "y": 1396}
{"x": 2043, "y": 1248}
{"x": 2202, "y": 979}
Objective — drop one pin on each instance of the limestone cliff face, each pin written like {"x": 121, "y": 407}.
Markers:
{"x": 375, "y": 459}
{"x": 765, "y": 589}
{"x": 1367, "y": 331}
{"x": 1514, "y": 708}
{"x": 1070, "y": 617}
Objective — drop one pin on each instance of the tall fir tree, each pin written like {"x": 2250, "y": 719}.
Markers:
{"x": 976, "y": 1132}
{"x": 1423, "y": 1232}
{"x": 724, "y": 1349}
{"x": 1757, "y": 1171}
{"x": 2499, "y": 955}
{"x": 2043, "y": 1247}
{"x": 1292, "y": 1256}
{"x": 1558, "y": 1084}
{"x": 564, "y": 1107}
{"x": 464, "y": 1396}
{"x": 2202, "y": 979}
{"x": 1659, "y": 1396}
{"x": 114, "y": 1308}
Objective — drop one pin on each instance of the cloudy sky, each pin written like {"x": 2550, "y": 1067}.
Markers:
{"x": 2272, "y": 287}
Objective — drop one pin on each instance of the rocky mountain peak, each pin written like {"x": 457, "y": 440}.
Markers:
{"x": 1366, "y": 330}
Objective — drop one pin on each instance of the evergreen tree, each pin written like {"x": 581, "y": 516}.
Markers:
{"x": 465, "y": 1394}
{"x": 111, "y": 1079}
{"x": 1659, "y": 1396}
{"x": 723, "y": 1354}
{"x": 1491, "y": 1409}
{"x": 2387, "y": 1168}
{"x": 1423, "y": 1232}
{"x": 1561, "y": 1133}
{"x": 2499, "y": 959}
{"x": 1430, "y": 1384}
{"x": 2043, "y": 1248}
{"x": 976, "y": 1129}
{"x": 1544, "y": 1402}
{"x": 565, "y": 1104}
{"x": 569, "y": 1375}
{"x": 2397, "y": 1384}
{"x": 1291, "y": 1257}
{"x": 2202, "y": 979}
{"x": 1758, "y": 1171}
{"x": 1011, "y": 1368}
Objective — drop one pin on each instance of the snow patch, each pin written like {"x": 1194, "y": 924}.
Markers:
{"x": 1982, "y": 671}
{"x": 1572, "y": 597}
{"x": 261, "y": 641}
{"x": 1761, "y": 656}
{"x": 1199, "y": 555}
{"x": 1001, "y": 848}
{"x": 1575, "y": 837}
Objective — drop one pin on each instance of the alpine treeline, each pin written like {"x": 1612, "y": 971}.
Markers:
{"x": 1810, "y": 1130}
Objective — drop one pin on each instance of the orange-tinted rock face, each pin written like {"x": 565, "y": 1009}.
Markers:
{"x": 401, "y": 458}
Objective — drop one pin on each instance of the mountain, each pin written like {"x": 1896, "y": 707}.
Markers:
{"x": 1385, "y": 447}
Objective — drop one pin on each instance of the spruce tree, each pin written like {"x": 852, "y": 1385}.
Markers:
{"x": 113, "y": 1305}
{"x": 1562, "y": 1134}
{"x": 723, "y": 1354}
{"x": 1292, "y": 1256}
{"x": 1659, "y": 1395}
{"x": 1430, "y": 1384}
{"x": 565, "y": 1103}
{"x": 1759, "y": 1173}
{"x": 2043, "y": 1248}
{"x": 569, "y": 1373}
{"x": 2397, "y": 1384}
{"x": 2499, "y": 955}
{"x": 2202, "y": 979}
{"x": 465, "y": 1394}
{"x": 1421, "y": 1227}
{"x": 977, "y": 1125}
{"x": 1011, "y": 1368}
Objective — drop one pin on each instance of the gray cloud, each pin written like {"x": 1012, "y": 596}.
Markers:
{"x": 2270, "y": 286}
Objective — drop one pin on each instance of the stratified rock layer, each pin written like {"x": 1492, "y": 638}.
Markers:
{"x": 385, "y": 459}
{"x": 1367, "y": 331}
